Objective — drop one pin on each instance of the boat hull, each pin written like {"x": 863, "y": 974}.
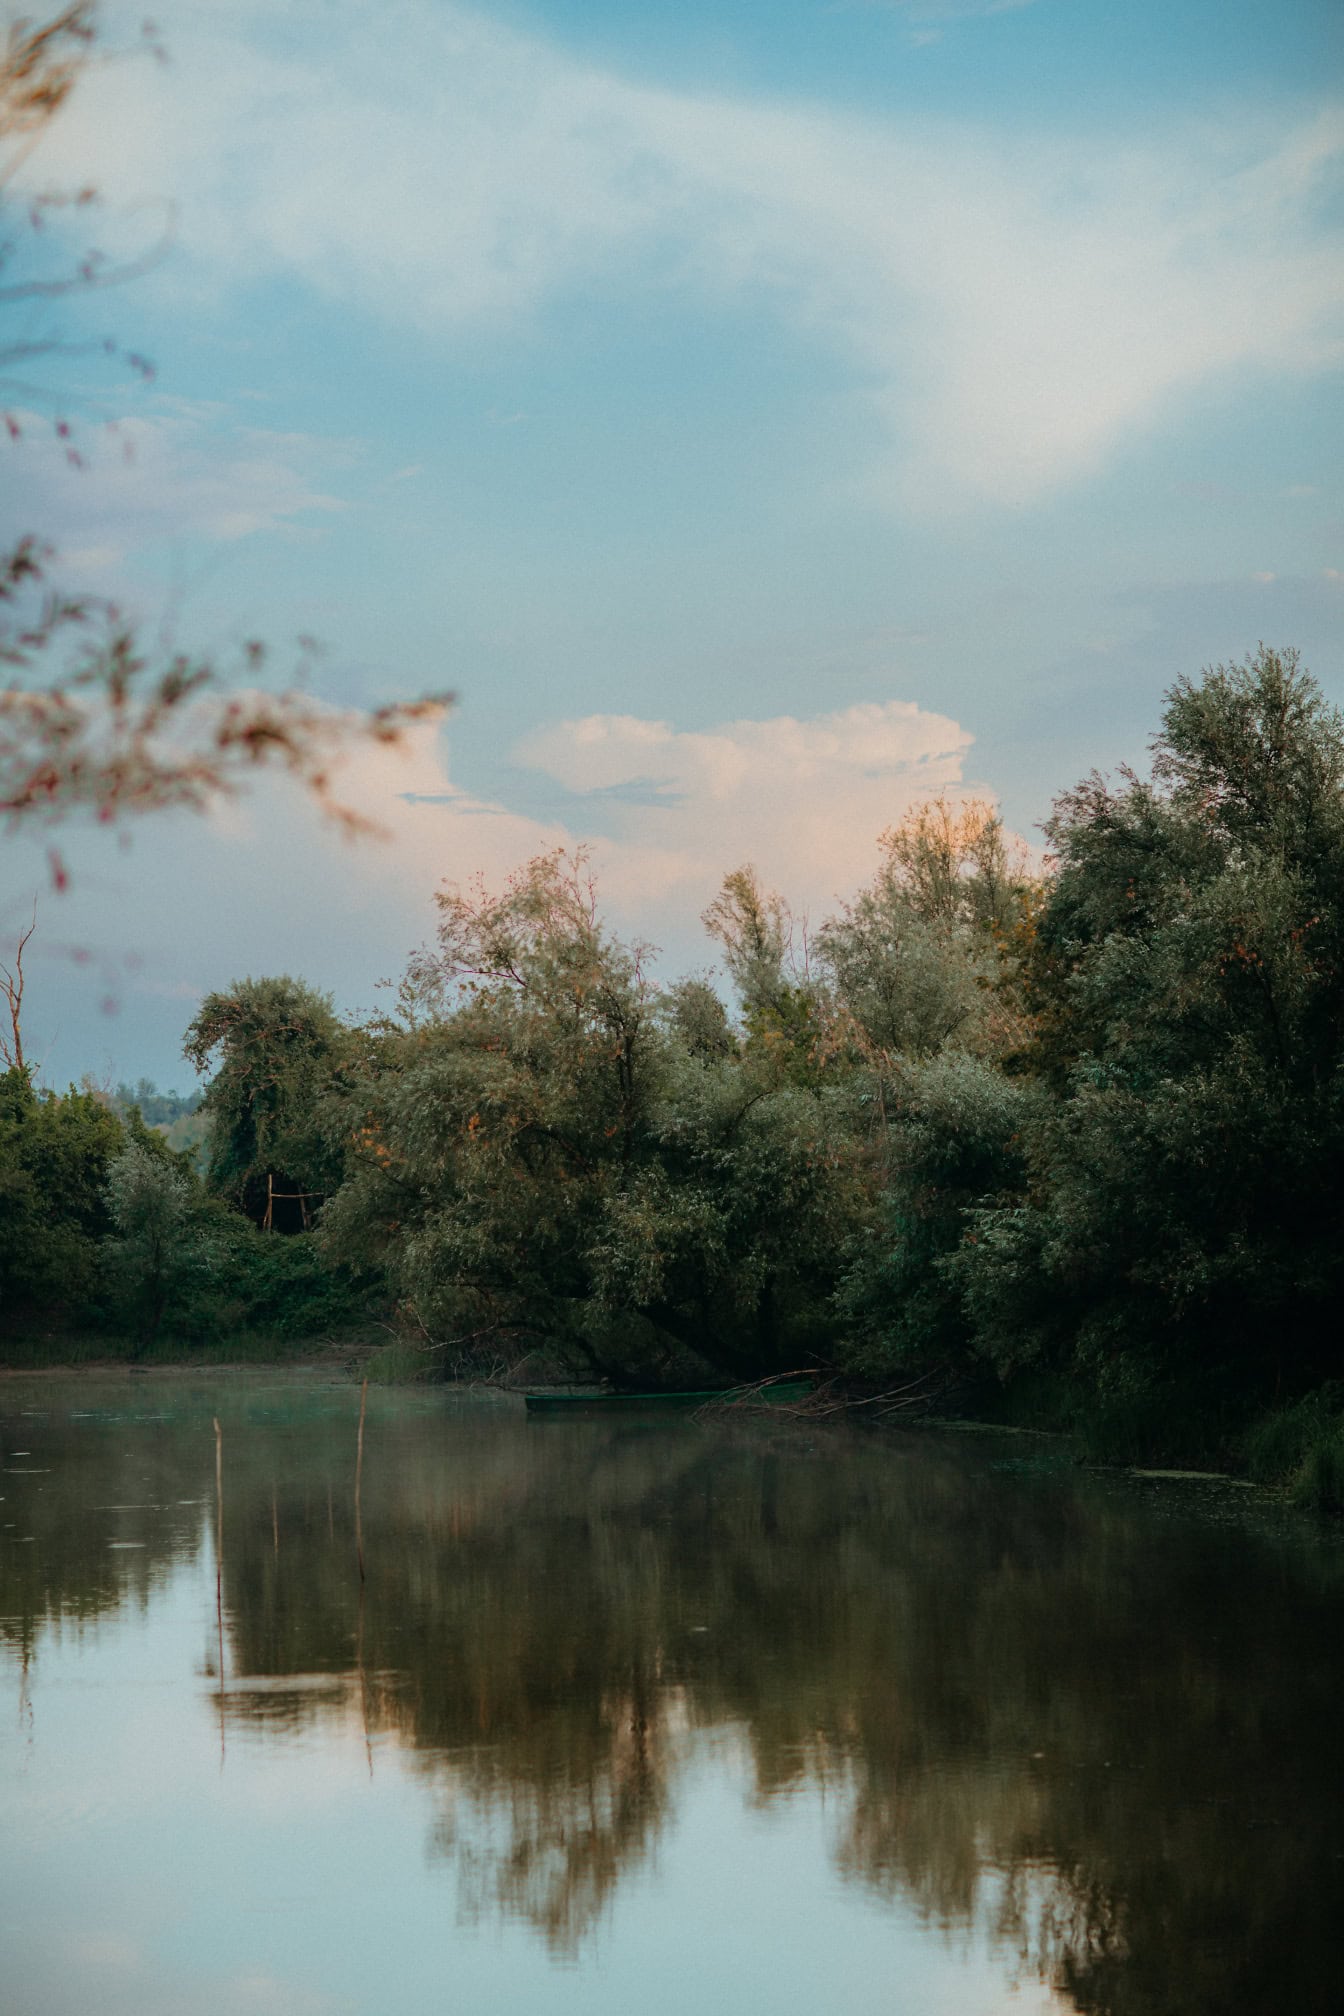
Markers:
{"x": 608, "y": 1403}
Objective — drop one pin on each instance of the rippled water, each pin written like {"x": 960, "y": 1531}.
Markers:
{"x": 644, "y": 1715}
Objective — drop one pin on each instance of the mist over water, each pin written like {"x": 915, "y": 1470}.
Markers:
{"x": 645, "y": 1713}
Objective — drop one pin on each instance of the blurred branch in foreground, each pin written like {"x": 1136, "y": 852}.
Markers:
{"x": 113, "y": 732}
{"x": 91, "y": 721}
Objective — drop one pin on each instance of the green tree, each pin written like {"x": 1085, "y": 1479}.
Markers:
{"x": 925, "y": 998}
{"x": 755, "y": 928}
{"x": 154, "y": 1249}
{"x": 917, "y": 959}
{"x": 952, "y": 1144}
{"x": 54, "y": 1156}
{"x": 499, "y": 1113}
{"x": 1181, "y": 1214}
{"x": 275, "y": 1045}
{"x": 767, "y": 959}
{"x": 542, "y": 1148}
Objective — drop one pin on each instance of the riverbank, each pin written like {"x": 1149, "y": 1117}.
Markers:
{"x": 79, "y": 1351}
{"x": 1295, "y": 1446}
{"x": 1295, "y": 1450}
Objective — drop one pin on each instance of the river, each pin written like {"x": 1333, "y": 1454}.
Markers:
{"x": 644, "y": 1716}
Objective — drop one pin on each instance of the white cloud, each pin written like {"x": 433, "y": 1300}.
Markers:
{"x": 1017, "y": 309}
{"x": 260, "y": 886}
{"x": 805, "y": 800}
{"x": 665, "y": 812}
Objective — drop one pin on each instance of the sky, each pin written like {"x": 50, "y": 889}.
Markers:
{"x": 763, "y": 416}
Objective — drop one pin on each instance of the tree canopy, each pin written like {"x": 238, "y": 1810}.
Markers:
{"x": 990, "y": 1129}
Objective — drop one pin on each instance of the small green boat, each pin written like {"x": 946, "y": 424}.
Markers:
{"x": 558, "y": 1402}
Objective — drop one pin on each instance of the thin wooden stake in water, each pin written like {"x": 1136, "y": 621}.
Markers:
{"x": 359, "y": 1477}
{"x": 363, "y": 1678}
{"x": 219, "y": 1573}
{"x": 359, "y": 1554}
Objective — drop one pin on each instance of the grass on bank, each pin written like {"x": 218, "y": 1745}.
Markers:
{"x": 1296, "y": 1448}
{"x": 79, "y": 1349}
{"x": 1301, "y": 1447}
{"x": 398, "y": 1362}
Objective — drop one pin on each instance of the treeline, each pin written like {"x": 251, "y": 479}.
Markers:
{"x": 1064, "y": 1144}
{"x": 157, "y": 1109}
{"x": 110, "y": 1240}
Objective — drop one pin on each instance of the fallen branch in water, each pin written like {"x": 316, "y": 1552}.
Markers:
{"x": 828, "y": 1398}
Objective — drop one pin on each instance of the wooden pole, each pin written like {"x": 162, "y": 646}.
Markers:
{"x": 359, "y": 1556}
{"x": 363, "y": 1677}
{"x": 359, "y": 1477}
{"x": 219, "y": 1573}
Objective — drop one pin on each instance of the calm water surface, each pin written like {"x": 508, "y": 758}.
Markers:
{"x": 644, "y": 1716}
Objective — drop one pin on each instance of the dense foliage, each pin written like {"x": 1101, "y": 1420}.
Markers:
{"x": 275, "y": 1045}
{"x": 54, "y": 1157}
{"x": 109, "y": 1236}
{"x": 1069, "y": 1142}
{"x": 542, "y": 1147}
{"x": 1180, "y": 1216}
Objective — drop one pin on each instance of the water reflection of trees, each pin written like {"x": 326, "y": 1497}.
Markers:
{"x": 1108, "y": 1739}
{"x": 96, "y": 1510}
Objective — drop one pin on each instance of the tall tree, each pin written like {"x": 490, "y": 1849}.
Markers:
{"x": 274, "y": 1045}
{"x": 545, "y": 1148}
{"x": 54, "y": 1157}
{"x": 1182, "y": 1216}
{"x": 922, "y": 967}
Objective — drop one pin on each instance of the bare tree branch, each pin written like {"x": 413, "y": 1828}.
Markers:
{"x": 11, "y": 1045}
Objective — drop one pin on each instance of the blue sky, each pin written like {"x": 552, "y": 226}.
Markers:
{"x": 761, "y": 415}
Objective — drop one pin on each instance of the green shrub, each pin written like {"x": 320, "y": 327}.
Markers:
{"x": 1319, "y": 1482}
{"x": 287, "y": 1287}
{"x": 401, "y": 1363}
{"x": 1301, "y": 1447}
{"x": 55, "y": 1151}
